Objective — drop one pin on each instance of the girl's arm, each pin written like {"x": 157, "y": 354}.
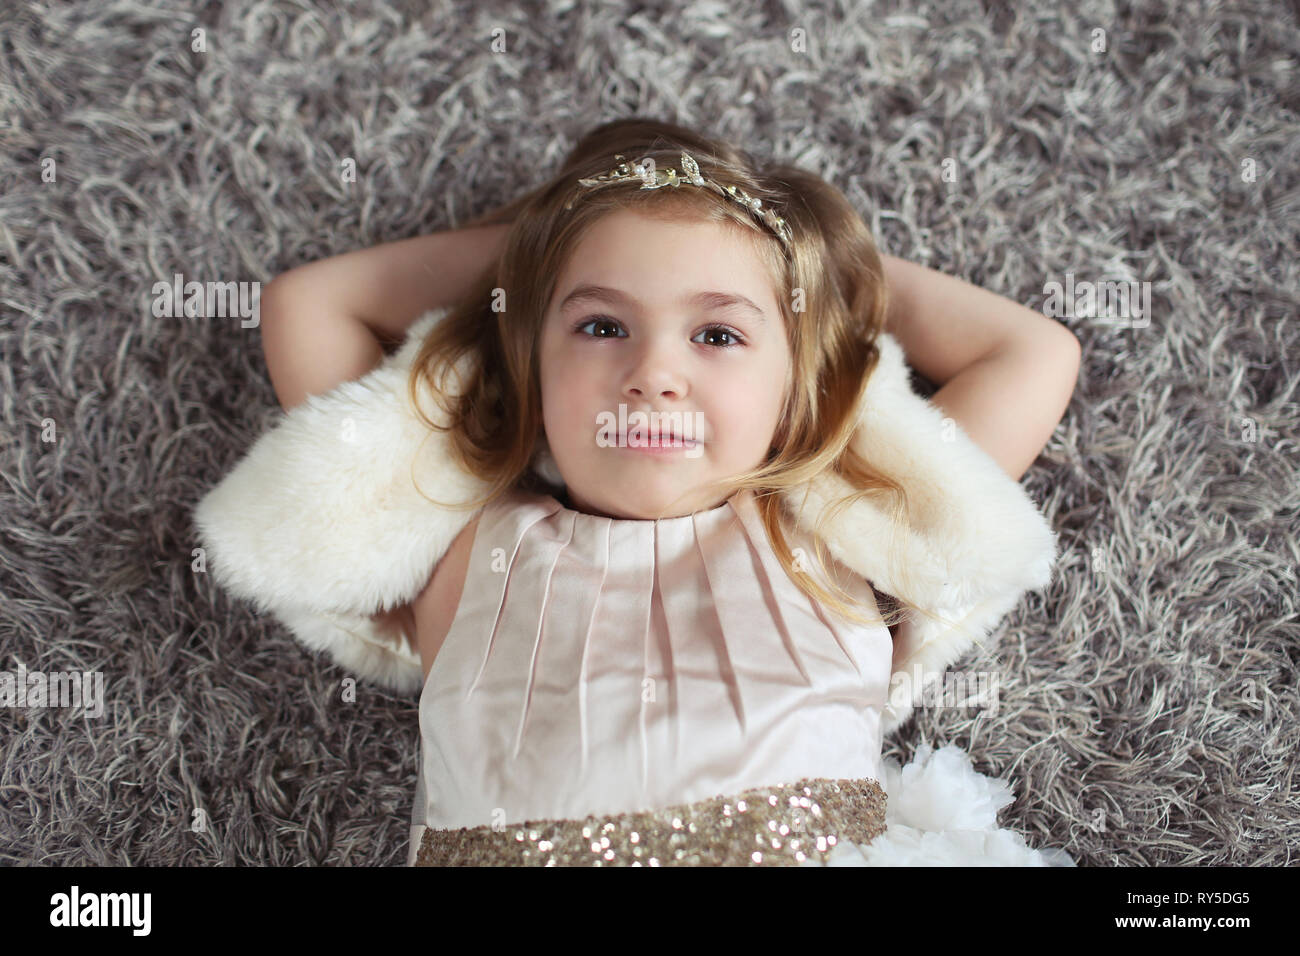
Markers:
{"x": 325, "y": 323}
{"x": 1006, "y": 371}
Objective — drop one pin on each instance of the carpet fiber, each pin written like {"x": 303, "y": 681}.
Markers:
{"x": 1148, "y": 699}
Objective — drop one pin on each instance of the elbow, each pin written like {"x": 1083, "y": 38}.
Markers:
{"x": 1073, "y": 356}
{"x": 1067, "y": 355}
{"x": 1070, "y": 342}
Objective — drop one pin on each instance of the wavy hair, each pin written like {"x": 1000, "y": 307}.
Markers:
{"x": 830, "y": 289}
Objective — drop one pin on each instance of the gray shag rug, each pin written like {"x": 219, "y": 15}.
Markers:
{"x": 1148, "y": 702}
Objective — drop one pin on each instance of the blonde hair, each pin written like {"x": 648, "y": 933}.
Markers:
{"x": 496, "y": 420}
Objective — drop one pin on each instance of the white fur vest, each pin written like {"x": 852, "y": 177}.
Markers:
{"x": 320, "y": 522}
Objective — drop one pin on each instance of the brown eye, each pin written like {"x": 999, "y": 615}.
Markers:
{"x": 604, "y": 321}
{"x": 723, "y": 330}
{"x": 599, "y": 321}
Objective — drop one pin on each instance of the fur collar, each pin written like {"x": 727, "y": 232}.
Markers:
{"x": 321, "y": 525}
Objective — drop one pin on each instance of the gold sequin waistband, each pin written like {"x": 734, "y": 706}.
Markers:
{"x": 781, "y": 825}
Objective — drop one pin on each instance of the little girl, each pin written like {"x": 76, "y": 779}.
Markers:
{"x": 630, "y": 655}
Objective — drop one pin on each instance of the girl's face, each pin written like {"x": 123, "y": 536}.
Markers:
{"x": 648, "y": 317}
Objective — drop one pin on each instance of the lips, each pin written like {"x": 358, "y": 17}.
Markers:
{"x": 652, "y": 441}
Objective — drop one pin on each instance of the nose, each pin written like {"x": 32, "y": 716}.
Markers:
{"x": 657, "y": 373}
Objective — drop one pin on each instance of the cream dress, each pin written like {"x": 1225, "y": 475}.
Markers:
{"x": 662, "y": 684}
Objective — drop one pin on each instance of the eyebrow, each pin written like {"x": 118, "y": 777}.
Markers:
{"x": 589, "y": 293}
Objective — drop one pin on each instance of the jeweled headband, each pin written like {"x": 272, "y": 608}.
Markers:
{"x": 653, "y": 177}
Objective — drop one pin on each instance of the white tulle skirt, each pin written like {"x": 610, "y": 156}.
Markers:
{"x": 942, "y": 812}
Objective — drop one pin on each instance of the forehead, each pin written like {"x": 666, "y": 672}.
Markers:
{"x": 629, "y": 258}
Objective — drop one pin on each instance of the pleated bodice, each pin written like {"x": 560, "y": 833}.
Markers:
{"x": 603, "y": 665}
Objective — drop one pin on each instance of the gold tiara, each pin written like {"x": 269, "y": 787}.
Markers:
{"x": 652, "y": 177}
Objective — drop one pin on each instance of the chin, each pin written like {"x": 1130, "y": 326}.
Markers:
{"x": 641, "y": 504}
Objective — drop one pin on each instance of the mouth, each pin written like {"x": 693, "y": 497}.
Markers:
{"x": 665, "y": 440}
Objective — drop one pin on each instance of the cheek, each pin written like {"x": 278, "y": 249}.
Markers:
{"x": 765, "y": 396}
{"x": 551, "y": 369}
{"x": 566, "y": 406}
{"x": 561, "y": 369}
{"x": 552, "y": 397}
